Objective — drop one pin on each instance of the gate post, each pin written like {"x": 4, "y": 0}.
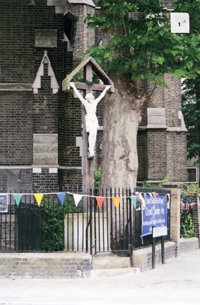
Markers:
{"x": 175, "y": 215}
{"x": 197, "y": 217}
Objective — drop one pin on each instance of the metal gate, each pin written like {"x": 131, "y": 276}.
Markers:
{"x": 21, "y": 227}
{"x": 29, "y": 227}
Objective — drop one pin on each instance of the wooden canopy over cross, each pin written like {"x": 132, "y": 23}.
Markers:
{"x": 90, "y": 66}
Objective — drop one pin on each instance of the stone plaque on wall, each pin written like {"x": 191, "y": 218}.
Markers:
{"x": 46, "y": 38}
{"x": 156, "y": 118}
{"x": 45, "y": 149}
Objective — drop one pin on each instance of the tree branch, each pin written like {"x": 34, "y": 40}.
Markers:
{"x": 152, "y": 92}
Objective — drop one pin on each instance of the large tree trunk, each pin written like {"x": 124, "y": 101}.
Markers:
{"x": 121, "y": 120}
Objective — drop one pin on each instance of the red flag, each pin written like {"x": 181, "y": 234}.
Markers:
{"x": 100, "y": 201}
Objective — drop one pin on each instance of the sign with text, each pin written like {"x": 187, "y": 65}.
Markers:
{"x": 154, "y": 212}
{"x": 3, "y": 203}
{"x": 159, "y": 231}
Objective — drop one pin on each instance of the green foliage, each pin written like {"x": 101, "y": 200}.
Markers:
{"x": 190, "y": 189}
{"x": 187, "y": 224}
{"x": 53, "y": 227}
{"x": 143, "y": 47}
{"x": 165, "y": 180}
{"x": 191, "y": 111}
{"x": 53, "y": 222}
{"x": 148, "y": 185}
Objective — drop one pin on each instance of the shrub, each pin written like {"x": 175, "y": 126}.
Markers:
{"x": 53, "y": 222}
{"x": 187, "y": 224}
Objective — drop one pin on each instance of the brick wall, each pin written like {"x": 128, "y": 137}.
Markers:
{"x": 16, "y": 128}
{"x": 166, "y": 146}
{"x": 73, "y": 129}
{"x": 25, "y": 114}
{"x": 142, "y": 156}
{"x": 77, "y": 265}
{"x": 15, "y": 180}
{"x": 156, "y": 154}
{"x": 84, "y": 37}
{"x": 176, "y": 153}
{"x": 45, "y": 181}
{"x": 142, "y": 258}
{"x": 188, "y": 244}
{"x": 69, "y": 178}
{"x": 45, "y": 265}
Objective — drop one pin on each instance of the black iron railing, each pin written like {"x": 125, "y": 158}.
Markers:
{"x": 114, "y": 226}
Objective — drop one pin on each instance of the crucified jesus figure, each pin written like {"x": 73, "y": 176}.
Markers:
{"x": 91, "y": 121}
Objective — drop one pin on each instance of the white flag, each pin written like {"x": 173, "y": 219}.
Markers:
{"x": 77, "y": 198}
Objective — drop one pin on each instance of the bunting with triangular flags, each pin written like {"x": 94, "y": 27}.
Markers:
{"x": 38, "y": 198}
{"x": 100, "y": 201}
{"x": 17, "y": 198}
{"x": 77, "y": 199}
{"x": 61, "y": 197}
{"x": 116, "y": 201}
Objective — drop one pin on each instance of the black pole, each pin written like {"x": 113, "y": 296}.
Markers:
{"x": 153, "y": 250}
{"x": 162, "y": 249}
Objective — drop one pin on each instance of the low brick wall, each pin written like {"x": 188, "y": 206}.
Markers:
{"x": 79, "y": 265}
{"x": 45, "y": 265}
{"x": 188, "y": 244}
{"x": 142, "y": 258}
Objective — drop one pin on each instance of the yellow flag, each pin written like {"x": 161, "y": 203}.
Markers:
{"x": 116, "y": 201}
{"x": 38, "y": 198}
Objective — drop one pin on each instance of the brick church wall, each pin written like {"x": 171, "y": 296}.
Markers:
{"x": 163, "y": 155}
{"x": 156, "y": 148}
{"x": 176, "y": 156}
{"x": 27, "y": 118}
{"x": 25, "y": 115}
{"x": 16, "y": 129}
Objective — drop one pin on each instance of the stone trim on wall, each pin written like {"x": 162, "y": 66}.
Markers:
{"x": 15, "y": 87}
{"x": 37, "y": 82}
{"x": 86, "y": 2}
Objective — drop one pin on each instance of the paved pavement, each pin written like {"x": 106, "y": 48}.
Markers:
{"x": 176, "y": 282}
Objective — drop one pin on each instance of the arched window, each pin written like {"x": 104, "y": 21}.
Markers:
{"x": 70, "y": 26}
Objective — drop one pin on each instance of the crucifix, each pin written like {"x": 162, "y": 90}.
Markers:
{"x": 89, "y": 102}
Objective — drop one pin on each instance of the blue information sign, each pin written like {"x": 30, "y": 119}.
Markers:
{"x": 154, "y": 212}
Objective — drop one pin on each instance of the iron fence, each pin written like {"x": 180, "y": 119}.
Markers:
{"x": 104, "y": 223}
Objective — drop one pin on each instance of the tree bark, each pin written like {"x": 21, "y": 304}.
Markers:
{"x": 121, "y": 121}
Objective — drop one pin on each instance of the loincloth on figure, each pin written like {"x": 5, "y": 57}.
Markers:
{"x": 91, "y": 122}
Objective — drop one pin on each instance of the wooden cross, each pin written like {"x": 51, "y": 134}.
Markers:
{"x": 89, "y": 65}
